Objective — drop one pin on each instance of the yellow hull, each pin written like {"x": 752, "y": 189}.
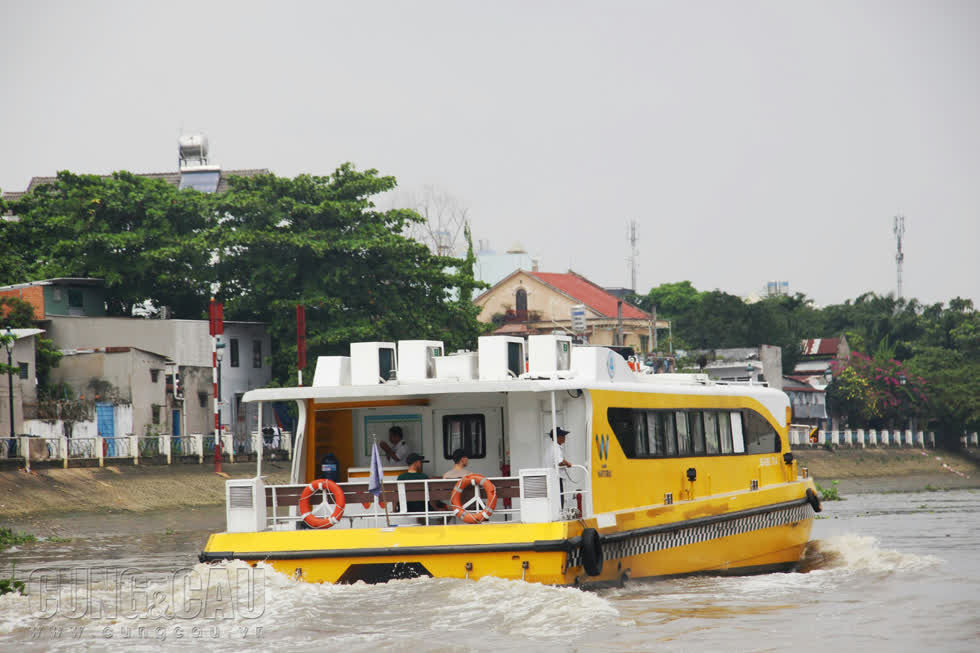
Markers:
{"x": 737, "y": 532}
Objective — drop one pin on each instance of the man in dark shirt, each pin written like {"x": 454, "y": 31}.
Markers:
{"x": 414, "y": 473}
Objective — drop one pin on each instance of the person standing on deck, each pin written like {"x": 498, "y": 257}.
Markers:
{"x": 397, "y": 451}
{"x": 555, "y": 457}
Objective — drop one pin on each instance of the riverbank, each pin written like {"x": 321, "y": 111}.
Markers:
{"x": 890, "y": 469}
{"x": 111, "y": 489}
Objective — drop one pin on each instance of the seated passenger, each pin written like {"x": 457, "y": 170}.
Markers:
{"x": 459, "y": 469}
{"x": 414, "y": 473}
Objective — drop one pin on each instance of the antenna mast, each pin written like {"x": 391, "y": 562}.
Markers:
{"x": 898, "y": 229}
{"x": 634, "y": 257}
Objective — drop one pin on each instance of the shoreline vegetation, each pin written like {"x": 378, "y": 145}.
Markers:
{"x": 137, "y": 489}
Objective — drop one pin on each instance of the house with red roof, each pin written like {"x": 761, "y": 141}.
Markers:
{"x": 530, "y": 302}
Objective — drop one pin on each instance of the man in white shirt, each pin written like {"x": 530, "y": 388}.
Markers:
{"x": 556, "y": 451}
{"x": 397, "y": 452}
{"x": 555, "y": 457}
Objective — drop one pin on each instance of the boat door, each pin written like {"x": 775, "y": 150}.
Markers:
{"x": 477, "y": 430}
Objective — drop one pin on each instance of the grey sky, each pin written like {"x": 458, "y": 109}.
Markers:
{"x": 751, "y": 140}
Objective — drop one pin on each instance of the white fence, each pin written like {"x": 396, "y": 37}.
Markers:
{"x": 32, "y": 448}
{"x": 800, "y": 437}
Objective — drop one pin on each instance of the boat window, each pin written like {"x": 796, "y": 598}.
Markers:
{"x": 760, "y": 436}
{"x": 738, "y": 444}
{"x": 683, "y": 434}
{"x": 712, "y": 443}
{"x": 466, "y": 432}
{"x": 621, "y": 421}
{"x": 725, "y": 432}
{"x": 640, "y": 432}
{"x": 695, "y": 420}
{"x": 655, "y": 433}
{"x": 666, "y": 420}
{"x": 672, "y": 433}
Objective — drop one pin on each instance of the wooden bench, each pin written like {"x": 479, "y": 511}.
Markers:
{"x": 439, "y": 490}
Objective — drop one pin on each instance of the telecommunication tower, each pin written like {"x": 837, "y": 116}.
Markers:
{"x": 634, "y": 257}
{"x": 898, "y": 228}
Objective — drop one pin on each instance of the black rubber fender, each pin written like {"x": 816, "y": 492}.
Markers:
{"x": 813, "y": 500}
{"x": 591, "y": 552}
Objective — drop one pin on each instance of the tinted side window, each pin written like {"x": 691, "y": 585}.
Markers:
{"x": 760, "y": 436}
{"x": 696, "y": 421}
{"x": 711, "y": 432}
{"x": 621, "y": 421}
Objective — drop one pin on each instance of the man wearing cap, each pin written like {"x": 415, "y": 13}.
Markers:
{"x": 555, "y": 457}
{"x": 414, "y": 473}
{"x": 459, "y": 469}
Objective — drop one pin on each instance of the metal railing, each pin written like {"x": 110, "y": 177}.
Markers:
{"x": 374, "y": 515}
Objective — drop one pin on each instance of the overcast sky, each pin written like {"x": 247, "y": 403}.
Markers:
{"x": 752, "y": 141}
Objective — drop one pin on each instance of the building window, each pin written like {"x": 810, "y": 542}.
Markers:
{"x": 155, "y": 375}
{"x": 233, "y": 348}
{"x": 156, "y": 413}
{"x": 466, "y": 432}
{"x": 256, "y": 353}
{"x": 74, "y": 298}
{"x": 24, "y": 370}
{"x": 644, "y": 343}
{"x": 521, "y": 304}
{"x": 203, "y": 398}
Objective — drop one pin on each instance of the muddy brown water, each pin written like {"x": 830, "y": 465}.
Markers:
{"x": 883, "y": 572}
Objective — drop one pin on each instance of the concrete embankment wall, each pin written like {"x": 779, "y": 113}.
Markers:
{"x": 891, "y": 469}
{"x": 133, "y": 488}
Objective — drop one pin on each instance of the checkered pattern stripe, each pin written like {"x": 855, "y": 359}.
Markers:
{"x": 641, "y": 544}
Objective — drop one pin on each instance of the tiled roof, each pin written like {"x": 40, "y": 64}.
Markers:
{"x": 821, "y": 346}
{"x": 172, "y": 178}
{"x": 588, "y": 293}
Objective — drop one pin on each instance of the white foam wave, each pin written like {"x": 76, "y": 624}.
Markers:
{"x": 863, "y": 553}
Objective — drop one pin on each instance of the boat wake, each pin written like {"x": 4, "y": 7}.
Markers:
{"x": 228, "y": 604}
{"x": 861, "y": 553}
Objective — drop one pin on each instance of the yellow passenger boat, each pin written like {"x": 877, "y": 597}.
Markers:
{"x": 670, "y": 474}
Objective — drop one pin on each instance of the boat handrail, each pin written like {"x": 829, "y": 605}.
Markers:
{"x": 358, "y": 511}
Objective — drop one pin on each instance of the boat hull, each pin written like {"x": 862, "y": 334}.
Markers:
{"x": 739, "y": 532}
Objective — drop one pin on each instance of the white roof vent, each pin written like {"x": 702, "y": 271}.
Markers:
{"x": 462, "y": 366}
{"x": 418, "y": 359}
{"x": 549, "y": 355}
{"x": 372, "y": 363}
{"x": 331, "y": 371}
{"x": 501, "y": 357}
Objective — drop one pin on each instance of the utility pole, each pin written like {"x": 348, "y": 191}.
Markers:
{"x": 634, "y": 256}
{"x": 898, "y": 228}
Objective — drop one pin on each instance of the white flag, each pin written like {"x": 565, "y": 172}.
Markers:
{"x": 377, "y": 472}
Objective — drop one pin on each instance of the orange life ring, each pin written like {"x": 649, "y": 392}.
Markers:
{"x": 457, "y": 498}
{"x": 338, "y": 498}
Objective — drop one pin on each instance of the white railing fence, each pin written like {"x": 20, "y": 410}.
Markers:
{"x": 155, "y": 449}
{"x": 801, "y": 437}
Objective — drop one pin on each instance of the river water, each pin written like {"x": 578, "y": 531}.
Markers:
{"x": 883, "y": 572}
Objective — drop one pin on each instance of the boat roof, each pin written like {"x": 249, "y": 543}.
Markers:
{"x": 666, "y": 383}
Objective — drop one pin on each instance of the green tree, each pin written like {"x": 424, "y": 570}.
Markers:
{"x": 321, "y": 242}
{"x": 136, "y": 233}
